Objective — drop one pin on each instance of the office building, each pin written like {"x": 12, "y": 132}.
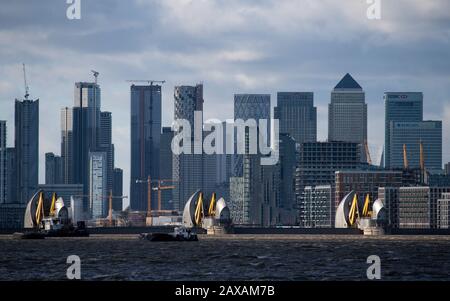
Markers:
{"x": 98, "y": 194}
{"x": 11, "y": 175}
{"x": 347, "y": 112}
{"x": 145, "y": 143}
{"x": 188, "y": 168}
{"x": 165, "y": 166}
{"x": 53, "y": 169}
{"x": 117, "y": 203}
{"x": 400, "y": 107}
{"x": 12, "y": 215}
{"x": 250, "y": 106}
{"x": 26, "y": 148}
{"x": 3, "y": 170}
{"x": 412, "y": 134}
{"x": 85, "y": 133}
{"x": 67, "y": 145}
{"x": 105, "y": 145}
{"x": 297, "y": 115}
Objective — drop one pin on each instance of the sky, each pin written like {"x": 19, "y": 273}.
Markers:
{"x": 231, "y": 46}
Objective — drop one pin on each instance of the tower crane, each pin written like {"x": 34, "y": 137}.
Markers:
{"x": 96, "y": 74}
{"x": 149, "y": 81}
{"x": 25, "y": 82}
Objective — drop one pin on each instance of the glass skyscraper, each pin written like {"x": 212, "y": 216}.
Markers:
{"x": 347, "y": 112}
{"x": 3, "y": 173}
{"x": 411, "y": 134}
{"x": 145, "y": 142}
{"x": 26, "y": 148}
{"x": 250, "y": 106}
{"x": 187, "y": 168}
{"x": 297, "y": 115}
{"x": 98, "y": 202}
{"x": 401, "y": 107}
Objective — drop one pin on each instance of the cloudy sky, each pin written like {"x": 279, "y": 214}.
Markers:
{"x": 232, "y": 46}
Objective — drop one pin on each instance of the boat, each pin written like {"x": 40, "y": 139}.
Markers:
{"x": 179, "y": 234}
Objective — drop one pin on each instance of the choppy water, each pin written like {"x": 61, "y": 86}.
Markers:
{"x": 228, "y": 258}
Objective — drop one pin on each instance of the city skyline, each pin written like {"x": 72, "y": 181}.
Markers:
{"x": 228, "y": 68}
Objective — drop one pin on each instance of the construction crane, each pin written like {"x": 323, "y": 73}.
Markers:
{"x": 366, "y": 146}
{"x": 96, "y": 74}
{"x": 149, "y": 81}
{"x": 110, "y": 198}
{"x": 159, "y": 188}
{"x": 25, "y": 82}
{"x": 405, "y": 157}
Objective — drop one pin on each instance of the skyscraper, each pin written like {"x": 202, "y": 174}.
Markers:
{"x": 86, "y": 125}
{"x": 401, "y": 107}
{"x": 145, "y": 142}
{"x": 105, "y": 145}
{"x": 250, "y": 106}
{"x": 3, "y": 170}
{"x": 27, "y": 148}
{"x": 297, "y": 115}
{"x": 347, "y": 112}
{"x": 412, "y": 134}
{"x": 53, "y": 169}
{"x": 11, "y": 175}
{"x": 98, "y": 203}
{"x": 165, "y": 166}
{"x": 117, "y": 203}
{"x": 187, "y": 168}
{"x": 67, "y": 145}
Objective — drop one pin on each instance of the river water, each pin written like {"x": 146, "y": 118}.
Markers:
{"x": 232, "y": 257}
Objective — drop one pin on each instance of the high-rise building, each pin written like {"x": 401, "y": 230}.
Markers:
{"x": 287, "y": 163}
{"x": 347, "y": 112}
{"x": 67, "y": 145}
{"x": 165, "y": 166}
{"x": 98, "y": 168}
{"x": 53, "y": 169}
{"x": 27, "y": 148}
{"x": 401, "y": 107}
{"x": 145, "y": 142}
{"x": 297, "y": 115}
{"x": 11, "y": 175}
{"x": 250, "y": 106}
{"x": 188, "y": 168}
{"x": 3, "y": 170}
{"x": 105, "y": 144}
{"x": 117, "y": 203}
{"x": 412, "y": 134}
{"x": 447, "y": 169}
{"x": 86, "y": 129}
{"x": 316, "y": 166}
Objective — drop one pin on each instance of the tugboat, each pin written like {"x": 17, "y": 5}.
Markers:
{"x": 179, "y": 234}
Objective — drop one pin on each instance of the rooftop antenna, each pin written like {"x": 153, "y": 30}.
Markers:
{"x": 25, "y": 82}
{"x": 95, "y": 75}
